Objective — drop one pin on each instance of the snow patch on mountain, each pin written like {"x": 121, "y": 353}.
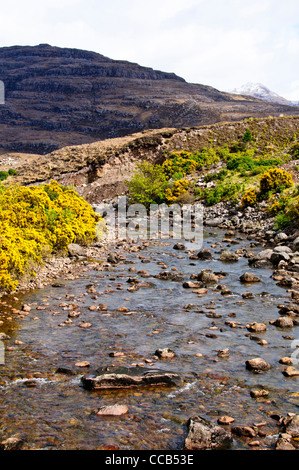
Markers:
{"x": 258, "y": 90}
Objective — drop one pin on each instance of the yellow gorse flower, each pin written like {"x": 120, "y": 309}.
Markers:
{"x": 36, "y": 219}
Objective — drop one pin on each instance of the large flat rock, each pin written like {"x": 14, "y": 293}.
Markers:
{"x": 123, "y": 377}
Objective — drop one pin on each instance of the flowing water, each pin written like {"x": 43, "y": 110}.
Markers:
{"x": 51, "y": 410}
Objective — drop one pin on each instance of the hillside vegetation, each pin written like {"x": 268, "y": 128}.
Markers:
{"x": 248, "y": 171}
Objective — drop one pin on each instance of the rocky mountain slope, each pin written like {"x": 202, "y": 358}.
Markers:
{"x": 56, "y": 97}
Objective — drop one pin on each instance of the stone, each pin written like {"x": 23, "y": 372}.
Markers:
{"x": 257, "y": 327}
{"x": 12, "y": 443}
{"x": 249, "y": 277}
{"x": 192, "y": 285}
{"x": 112, "y": 258}
{"x": 223, "y": 352}
{"x": 228, "y": 257}
{"x": 259, "y": 393}
{"x": 112, "y": 410}
{"x": 280, "y": 237}
{"x": 168, "y": 276}
{"x": 165, "y": 353}
{"x": 125, "y": 378}
{"x": 290, "y": 371}
{"x": 214, "y": 222}
{"x": 243, "y": 431}
{"x": 204, "y": 254}
{"x": 203, "y": 435}
{"x": 286, "y": 361}
{"x": 284, "y": 322}
{"x": 82, "y": 364}
{"x": 257, "y": 365}
{"x": 85, "y": 324}
{"x": 291, "y": 426}
{"x": 179, "y": 246}
{"x": 276, "y": 258}
{"x": 282, "y": 249}
{"x": 76, "y": 250}
{"x": 225, "y": 420}
{"x": 207, "y": 277}
{"x": 26, "y": 308}
{"x": 283, "y": 442}
{"x": 4, "y": 336}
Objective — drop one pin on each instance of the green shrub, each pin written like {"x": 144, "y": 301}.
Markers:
{"x": 148, "y": 184}
{"x": 221, "y": 192}
{"x": 247, "y": 137}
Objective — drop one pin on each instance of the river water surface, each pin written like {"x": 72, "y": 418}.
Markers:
{"x": 51, "y": 410}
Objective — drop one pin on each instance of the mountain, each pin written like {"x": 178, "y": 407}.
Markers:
{"x": 56, "y": 97}
{"x": 258, "y": 90}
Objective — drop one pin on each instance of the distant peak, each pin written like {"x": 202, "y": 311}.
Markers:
{"x": 261, "y": 91}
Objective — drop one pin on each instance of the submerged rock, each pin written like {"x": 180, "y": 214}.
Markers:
{"x": 123, "y": 377}
{"x": 204, "y": 435}
{"x": 112, "y": 410}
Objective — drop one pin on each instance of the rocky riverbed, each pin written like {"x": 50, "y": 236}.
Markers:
{"x": 205, "y": 336}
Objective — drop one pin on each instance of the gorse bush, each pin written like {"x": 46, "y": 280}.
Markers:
{"x": 185, "y": 163}
{"x": 35, "y": 221}
{"x": 249, "y": 198}
{"x": 275, "y": 180}
{"x": 179, "y": 188}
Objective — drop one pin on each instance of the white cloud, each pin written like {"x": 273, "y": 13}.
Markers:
{"x": 222, "y": 44}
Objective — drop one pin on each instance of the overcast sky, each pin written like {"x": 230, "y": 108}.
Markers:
{"x": 221, "y": 43}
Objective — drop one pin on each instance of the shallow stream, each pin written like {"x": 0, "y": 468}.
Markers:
{"x": 51, "y": 410}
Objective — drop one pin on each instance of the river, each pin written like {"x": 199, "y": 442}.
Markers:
{"x": 51, "y": 410}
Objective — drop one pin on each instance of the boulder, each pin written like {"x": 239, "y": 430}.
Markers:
{"x": 203, "y": 435}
